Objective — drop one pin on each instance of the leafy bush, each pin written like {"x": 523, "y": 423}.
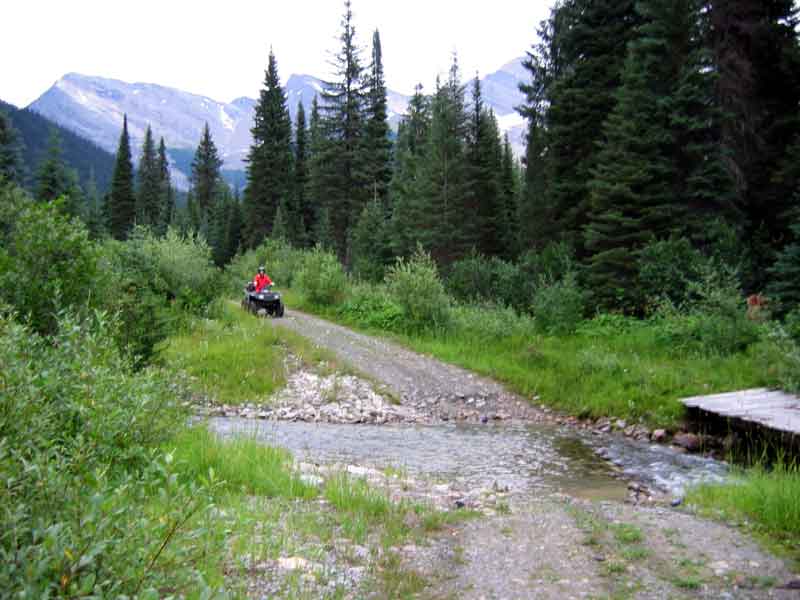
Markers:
{"x": 47, "y": 261}
{"x": 371, "y": 305}
{"x": 477, "y": 278}
{"x": 559, "y": 306}
{"x": 713, "y": 322}
{"x": 281, "y": 261}
{"x": 666, "y": 267}
{"x": 321, "y": 278}
{"x": 552, "y": 263}
{"x": 492, "y": 322}
{"x": 416, "y": 287}
{"x": 88, "y": 508}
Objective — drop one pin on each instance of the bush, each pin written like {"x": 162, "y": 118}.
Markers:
{"x": 714, "y": 320}
{"x": 477, "y": 278}
{"x": 371, "y": 306}
{"x": 321, "y": 278}
{"x": 492, "y": 322}
{"x": 416, "y": 287}
{"x": 88, "y": 508}
{"x": 666, "y": 267}
{"x": 47, "y": 261}
{"x": 552, "y": 263}
{"x": 558, "y": 307}
{"x": 282, "y": 263}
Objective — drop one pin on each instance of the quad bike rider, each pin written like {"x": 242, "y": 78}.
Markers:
{"x": 260, "y": 297}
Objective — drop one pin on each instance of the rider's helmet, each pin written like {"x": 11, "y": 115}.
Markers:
{"x": 261, "y": 269}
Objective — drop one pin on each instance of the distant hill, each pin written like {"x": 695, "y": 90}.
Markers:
{"x": 93, "y": 107}
{"x": 79, "y": 153}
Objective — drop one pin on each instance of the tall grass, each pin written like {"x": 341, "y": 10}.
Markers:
{"x": 767, "y": 497}
{"x": 240, "y": 465}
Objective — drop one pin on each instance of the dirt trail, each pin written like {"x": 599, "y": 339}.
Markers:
{"x": 552, "y": 545}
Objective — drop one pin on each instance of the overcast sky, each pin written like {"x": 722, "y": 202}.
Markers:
{"x": 219, "y": 49}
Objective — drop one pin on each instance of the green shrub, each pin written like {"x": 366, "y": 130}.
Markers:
{"x": 88, "y": 507}
{"x": 416, "y": 287}
{"x": 47, "y": 261}
{"x": 321, "y": 278}
{"x": 713, "y": 322}
{"x": 666, "y": 267}
{"x": 491, "y": 322}
{"x": 370, "y": 305}
{"x": 281, "y": 261}
{"x": 559, "y": 306}
{"x": 552, "y": 263}
{"x": 477, "y": 278}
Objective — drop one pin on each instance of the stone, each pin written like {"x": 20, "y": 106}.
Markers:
{"x": 293, "y": 563}
{"x": 676, "y": 502}
{"x": 620, "y": 424}
{"x": 690, "y": 441}
{"x": 659, "y": 436}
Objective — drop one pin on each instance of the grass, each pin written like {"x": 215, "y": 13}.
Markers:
{"x": 768, "y": 500}
{"x": 599, "y": 371}
{"x": 237, "y": 358}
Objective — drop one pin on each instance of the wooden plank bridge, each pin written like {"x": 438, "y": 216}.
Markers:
{"x": 773, "y": 409}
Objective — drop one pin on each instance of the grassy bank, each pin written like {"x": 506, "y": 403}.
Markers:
{"x": 607, "y": 367}
{"x": 765, "y": 500}
{"x": 236, "y": 357}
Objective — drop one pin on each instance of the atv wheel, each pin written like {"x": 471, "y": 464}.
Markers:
{"x": 279, "y": 312}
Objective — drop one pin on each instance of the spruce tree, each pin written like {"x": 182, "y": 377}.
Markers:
{"x": 122, "y": 202}
{"x": 509, "y": 199}
{"x": 405, "y": 192}
{"x": 269, "y": 169}
{"x": 280, "y": 227}
{"x": 166, "y": 195}
{"x": 369, "y": 247}
{"x": 315, "y": 197}
{"x": 54, "y": 179}
{"x": 575, "y": 74}
{"x": 377, "y": 146}
{"x": 148, "y": 189}
{"x": 205, "y": 180}
{"x": 11, "y": 165}
{"x": 323, "y": 232}
{"x": 234, "y": 234}
{"x": 346, "y": 184}
{"x": 93, "y": 211}
{"x": 653, "y": 173}
{"x": 305, "y": 215}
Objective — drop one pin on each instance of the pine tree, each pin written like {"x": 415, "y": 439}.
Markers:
{"x": 269, "y": 169}
{"x": 148, "y": 190}
{"x": 445, "y": 211}
{"x": 345, "y": 175}
{"x": 122, "y": 202}
{"x": 305, "y": 214}
{"x": 575, "y": 73}
{"x": 234, "y": 233}
{"x": 315, "y": 197}
{"x": 757, "y": 59}
{"x": 377, "y": 146}
{"x": 280, "y": 227}
{"x": 369, "y": 247}
{"x": 509, "y": 199}
{"x": 652, "y": 177}
{"x": 93, "y": 212}
{"x": 166, "y": 195}
{"x": 55, "y": 180}
{"x": 405, "y": 192}
{"x": 11, "y": 165}
{"x": 323, "y": 232}
{"x": 205, "y": 180}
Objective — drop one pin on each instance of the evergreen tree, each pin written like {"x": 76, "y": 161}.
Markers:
{"x": 122, "y": 202}
{"x": 757, "y": 59}
{"x": 205, "y": 180}
{"x": 148, "y": 190}
{"x": 269, "y": 169}
{"x": 345, "y": 177}
{"x": 166, "y": 202}
{"x": 446, "y": 212}
{"x": 405, "y": 191}
{"x": 93, "y": 211}
{"x": 509, "y": 199}
{"x": 658, "y": 171}
{"x": 377, "y": 146}
{"x": 575, "y": 72}
{"x": 11, "y": 165}
{"x": 234, "y": 233}
{"x": 323, "y": 232}
{"x": 55, "y": 180}
{"x": 369, "y": 247}
{"x": 280, "y": 227}
{"x": 305, "y": 214}
{"x": 315, "y": 197}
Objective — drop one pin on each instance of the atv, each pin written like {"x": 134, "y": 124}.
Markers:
{"x": 266, "y": 302}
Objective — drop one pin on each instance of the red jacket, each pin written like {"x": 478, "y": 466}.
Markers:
{"x": 262, "y": 281}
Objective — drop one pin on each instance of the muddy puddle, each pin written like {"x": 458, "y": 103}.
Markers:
{"x": 525, "y": 459}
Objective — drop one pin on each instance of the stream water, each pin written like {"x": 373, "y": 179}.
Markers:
{"x": 523, "y": 458}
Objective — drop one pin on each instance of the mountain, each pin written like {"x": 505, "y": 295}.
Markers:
{"x": 79, "y": 153}
{"x": 93, "y": 107}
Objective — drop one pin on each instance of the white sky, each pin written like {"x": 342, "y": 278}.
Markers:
{"x": 219, "y": 49}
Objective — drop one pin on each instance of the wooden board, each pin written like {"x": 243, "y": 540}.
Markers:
{"x": 770, "y": 408}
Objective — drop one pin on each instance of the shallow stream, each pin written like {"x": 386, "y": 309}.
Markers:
{"x": 523, "y": 458}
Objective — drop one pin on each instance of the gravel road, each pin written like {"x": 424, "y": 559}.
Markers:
{"x": 551, "y": 545}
